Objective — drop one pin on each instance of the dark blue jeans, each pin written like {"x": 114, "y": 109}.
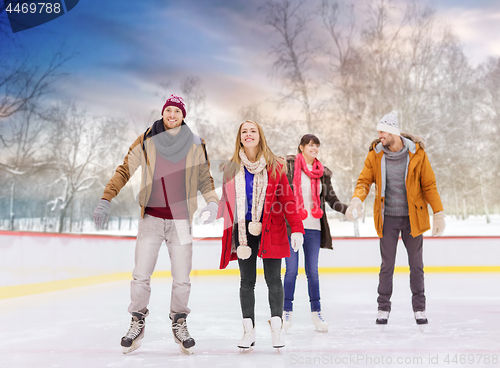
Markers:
{"x": 311, "y": 246}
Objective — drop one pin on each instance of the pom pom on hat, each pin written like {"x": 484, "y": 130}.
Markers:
{"x": 244, "y": 252}
{"x": 389, "y": 123}
{"x": 176, "y": 101}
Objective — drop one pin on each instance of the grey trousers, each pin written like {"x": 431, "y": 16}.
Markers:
{"x": 151, "y": 234}
{"x": 393, "y": 226}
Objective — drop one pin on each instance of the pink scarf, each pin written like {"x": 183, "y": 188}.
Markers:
{"x": 315, "y": 174}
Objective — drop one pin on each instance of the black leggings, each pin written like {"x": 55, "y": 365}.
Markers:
{"x": 248, "y": 277}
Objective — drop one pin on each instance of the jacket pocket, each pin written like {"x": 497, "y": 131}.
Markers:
{"x": 422, "y": 216}
{"x": 278, "y": 231}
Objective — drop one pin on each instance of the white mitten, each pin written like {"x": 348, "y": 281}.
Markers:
{"x": 355, "y": 209}
{"x": 296, "y": 239}
{"x": 438, "y": 224}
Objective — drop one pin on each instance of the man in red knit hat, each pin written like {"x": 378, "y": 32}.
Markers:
{"x": 174, "y": 167}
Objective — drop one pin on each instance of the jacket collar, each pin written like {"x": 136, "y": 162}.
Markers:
{"x": 409, "y": 144}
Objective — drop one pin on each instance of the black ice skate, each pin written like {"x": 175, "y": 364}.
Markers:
{"x": 420, "y": 318}
{"x": 382, "y": 317}
{"x": 181, "y": 334}
{"x": 132, "y": 340}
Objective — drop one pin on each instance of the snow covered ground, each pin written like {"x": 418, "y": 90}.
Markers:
{"x": 82, "y": 327}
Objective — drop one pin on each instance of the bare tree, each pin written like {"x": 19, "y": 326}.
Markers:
{"x": 26, "y": 81}
{"x": 194, "y": 97}
{"x": 23, "y": 147}
{"x": 346, "y": 71}
{"x": 214, "y": 133}
{"x": 400, "y": 57}
{"x": 486, "y": 125}
{"x": 294, "y": 54}
{"x": 81, "y": 145}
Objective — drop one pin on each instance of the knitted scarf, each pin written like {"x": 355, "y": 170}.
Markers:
{"x": 315, "y": 174}
{"x": 172, "y": 147}
{"x": 257, "y": 168}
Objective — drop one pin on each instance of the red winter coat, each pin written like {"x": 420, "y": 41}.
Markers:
{"x": 279, "y": 202}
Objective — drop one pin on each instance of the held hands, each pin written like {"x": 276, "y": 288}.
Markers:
{"x": 296, "y": 241}
{"x": 438, "y": 224}
{"x": 355, "y": 209}
{"x": 211, "y": 208}
{"x": 101, "y": 213}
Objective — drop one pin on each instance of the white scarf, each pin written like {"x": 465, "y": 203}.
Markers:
{"x": 257, "y": 168}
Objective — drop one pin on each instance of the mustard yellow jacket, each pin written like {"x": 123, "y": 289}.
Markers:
{"x": 420, "y": 185}
{"x": 142, "y": 153}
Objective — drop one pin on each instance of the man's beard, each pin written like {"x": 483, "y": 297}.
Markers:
{"x": 388, "y": 143}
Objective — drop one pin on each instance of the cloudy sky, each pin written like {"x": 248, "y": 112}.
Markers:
{"x": 124, "y": 49}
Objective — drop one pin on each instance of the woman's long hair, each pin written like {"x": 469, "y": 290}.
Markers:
{"x": 274, "y": 163}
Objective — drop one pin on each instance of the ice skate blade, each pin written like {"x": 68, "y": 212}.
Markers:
{"x": 278, "y": 348}
{"x": 135, "y": 345}
{"x": 247, "y": 347}
{"x": 245, "y": 350}
{"x": 323, "y": 330}
{"x": 422, "y": 328}
{"x": 187, "y": 351}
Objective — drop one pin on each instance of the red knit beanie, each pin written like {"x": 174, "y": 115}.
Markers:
{"x": 176, "y": 101}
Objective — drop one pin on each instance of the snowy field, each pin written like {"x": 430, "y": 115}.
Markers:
{"x": 82, "y": 327}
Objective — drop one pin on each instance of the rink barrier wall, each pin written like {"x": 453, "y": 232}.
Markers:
{"x": 32, "y": 263}
{"x": 14, "y": 291}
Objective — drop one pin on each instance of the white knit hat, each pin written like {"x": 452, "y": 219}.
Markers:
{"x": 389, "y": 123}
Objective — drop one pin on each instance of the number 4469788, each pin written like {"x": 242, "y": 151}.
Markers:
{"x": 471, "y": 359}
{"x": 34, "y": 8}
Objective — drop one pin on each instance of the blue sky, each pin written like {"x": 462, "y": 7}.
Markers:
{"x": 123, "y": 49}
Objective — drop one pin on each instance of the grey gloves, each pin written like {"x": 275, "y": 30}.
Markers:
{"x": 101, "y": 213}
{"x": 211, "y": 208}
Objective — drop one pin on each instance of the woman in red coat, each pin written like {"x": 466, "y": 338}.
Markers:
{"x": 256, "y": 198}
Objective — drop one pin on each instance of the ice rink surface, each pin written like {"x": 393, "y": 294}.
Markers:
{"x": 82, "y": 327}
